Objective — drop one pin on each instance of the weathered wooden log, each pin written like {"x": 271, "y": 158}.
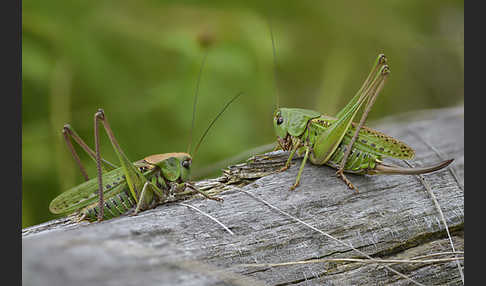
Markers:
{"x": 392, "y": 217}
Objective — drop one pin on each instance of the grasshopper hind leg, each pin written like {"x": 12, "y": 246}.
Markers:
{"x": 374, "y": 91}
{"x": 68, "y": 134}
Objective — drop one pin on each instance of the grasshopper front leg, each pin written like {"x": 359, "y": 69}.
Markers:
{"x": 206, "y": 195}
{"x": 289, "y": 159}
{"x": 297, "y": 180}
{"x": 153, "y": 188}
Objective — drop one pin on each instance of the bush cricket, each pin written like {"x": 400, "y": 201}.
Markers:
{"x": 338, "y": 141}
{"x": 143, "y": 184}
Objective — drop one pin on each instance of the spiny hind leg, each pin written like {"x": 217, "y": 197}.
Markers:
{"x": 340, "y": 174}
{"x": 375, "y": 90}
{"x": 68, "y": 134}
{"x": 135, "y": 178}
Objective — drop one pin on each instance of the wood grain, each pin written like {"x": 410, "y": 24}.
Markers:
{"x": 392, "y": 217}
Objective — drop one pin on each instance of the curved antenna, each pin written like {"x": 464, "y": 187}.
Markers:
{"x": 274, "y": 50}
{"x": 214, "y": 120}
{"x": 195, "y": 101}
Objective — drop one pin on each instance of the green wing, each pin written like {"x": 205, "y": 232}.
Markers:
{"x": 87, "y": 192}
{"x": 373, "y": 141}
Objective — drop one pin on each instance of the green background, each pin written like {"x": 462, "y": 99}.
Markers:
{"x": 139, "y": 61}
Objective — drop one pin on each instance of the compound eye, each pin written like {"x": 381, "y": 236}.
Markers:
{"x": 280, "y": 120}
{"x": 186, "y": 163}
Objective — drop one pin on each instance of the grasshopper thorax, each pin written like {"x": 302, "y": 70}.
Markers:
{"x": 292, "y": 121}
{"x": 173, "y": 166}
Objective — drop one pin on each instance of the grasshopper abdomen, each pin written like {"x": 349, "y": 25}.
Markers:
{"x": 114, "y": 206}
{"x": 366, "y": 153}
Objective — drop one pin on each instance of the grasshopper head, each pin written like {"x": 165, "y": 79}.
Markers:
{"x": 292, "y": 121}
{"x": 174, "y": 166}
{"x": 279, "y": 124}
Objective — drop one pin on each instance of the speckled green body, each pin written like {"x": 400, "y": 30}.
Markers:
{"x": 340, "y": 143}
{"x": 165, "y": 171}
{"x": 118, "y": 199}
{"x": 115, "y": 190}
{"x": 368, "y": 150}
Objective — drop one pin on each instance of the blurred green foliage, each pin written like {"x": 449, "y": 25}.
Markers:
{"x": 139, "y": 61}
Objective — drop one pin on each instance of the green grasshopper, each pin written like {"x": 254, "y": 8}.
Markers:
{"x": 143, "y": 184}
{"x": 339, "y": 142}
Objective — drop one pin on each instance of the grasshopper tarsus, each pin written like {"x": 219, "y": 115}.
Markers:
{"x": 283, "y": 168}
{"x": 206, "y": 195}
{"x": 218, "y": 199}
{"x": 294, "y": 186}
{"x": 340, "y": 174}
{"x": 209, "y": 197}
{"x": 134, "y": 213}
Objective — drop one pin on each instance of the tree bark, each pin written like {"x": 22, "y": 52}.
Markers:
{"x": 392, "y": 217}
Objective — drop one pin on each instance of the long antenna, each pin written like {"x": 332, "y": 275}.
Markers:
{"x": 214, "y": 120}
{"x": 274, "y": 50}
{"x": 195, "y": 102}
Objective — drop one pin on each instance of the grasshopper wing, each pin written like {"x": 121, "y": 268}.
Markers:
{"x": 87, "y": 192}
{"x": 379, "y": 143}
{"x": 373, "y": 141}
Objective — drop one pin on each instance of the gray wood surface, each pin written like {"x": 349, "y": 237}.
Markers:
{"x": 392, "y": 217}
